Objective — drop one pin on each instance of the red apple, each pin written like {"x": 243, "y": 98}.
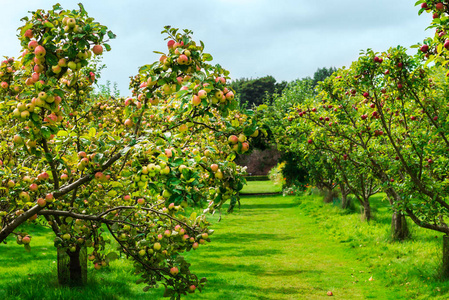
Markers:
{"x": 97, "y": 49}
{"x": 40, "y": 51}
{"x": 174, "y": 271}
{"x": 424, "y": 48}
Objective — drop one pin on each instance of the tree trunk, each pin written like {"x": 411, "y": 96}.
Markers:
{"x": 344, "y": 197}
{"x": 399, "y": 227}
{"x": 445, "y": 267}
{"x": 328, "y": 195}
{"x": 72, "y": 266}
{"x": 366, "y": 213}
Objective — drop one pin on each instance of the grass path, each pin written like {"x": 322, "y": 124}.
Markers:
{"x": 274, "y": 247}
{"x": 271, "y": 250}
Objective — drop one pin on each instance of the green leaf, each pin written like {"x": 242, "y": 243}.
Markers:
{"x": 51, "y": 59}
{"x": 207, "y": 57}
{"x": 62, "y": 133}
{"x": 92, "y": 131}
{"x": 107, "y": 46}
{"x": 28, "y": 58}
{"x": 49, "y": 25}
{"x": 111, "y": 35}
{"x": 46, "y": 133}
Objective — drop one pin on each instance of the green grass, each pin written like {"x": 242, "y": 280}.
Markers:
{"x": 260, "y": 187}
{"x": 274, "y": 247}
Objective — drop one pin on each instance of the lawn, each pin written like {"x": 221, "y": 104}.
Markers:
{"x": 261, "y": 187}
{"x": 273, "y": 247}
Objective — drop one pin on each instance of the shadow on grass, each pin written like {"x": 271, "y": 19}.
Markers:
{"x": 235, "y": 252}
{"x": 45, "y": 286}
{"x": 245, "y": 238}
{"x": 268, "y": 206}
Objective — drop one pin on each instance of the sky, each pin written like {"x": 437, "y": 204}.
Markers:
{"x": 287, "y": 39}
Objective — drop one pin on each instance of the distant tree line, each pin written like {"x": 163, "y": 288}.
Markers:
{"x": 253, "y": 92}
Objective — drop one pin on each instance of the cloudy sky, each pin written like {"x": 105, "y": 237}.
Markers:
{"x": 287, "y": 39}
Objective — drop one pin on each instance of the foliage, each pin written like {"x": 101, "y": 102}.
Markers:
{"x": 106, "y": 91}
{"x": 253, "y": 92}
{"x": 83, "y": 164}
{"x": 276, "y": 175}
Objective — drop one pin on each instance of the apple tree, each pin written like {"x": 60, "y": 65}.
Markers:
{"x": 96, "y": 169}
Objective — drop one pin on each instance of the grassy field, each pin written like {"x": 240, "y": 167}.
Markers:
{"x": 260, "y": 187}
{"x": 273, "y": 247}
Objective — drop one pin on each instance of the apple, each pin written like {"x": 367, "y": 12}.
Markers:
{"x": 97, "y": 49}
{"x": 424, "y": 48}
{"x": 11, "y": 184}
{"x": 309, "y": 141}
{"x": 72, "y": 65}
{"x": 233, "y": 139}
{"x": 157, "y": 246}
{"x": 97, "y": 266}
{"x": 49, "y": 197}
{"x": 184, "y": 127}
{"x": 64, "y": 177}
{"x": 245, "y": 146}
{"x": 182, "y": 59}
{"x": 26, "y": 240}
{"x": 128, "y": 123}
{"x": 43, "y": 176}
{"x": 24, "y": 196}
{"x": 4, "y": 85}
{"x": 71, "y": 23}
{"x": 170, "y": 44}
{"x": 62, "y": 62}
{"x": 33, "y": 187}
{"x": 165, "y": 171}
{"x": 220, "y": 79}
{"x": 127, "y": 197}
{"x": 40, "y": 51}
{"x": 174, "y": 271}
{"x": 241, "y": 138}
{"x": 41, "y": 202}
{"x": 439, "y": 6}
{"x": 28, "y": 33}
{"x": 202, "y": 94}
{"x": 196, "y": 100}
{"x": 214, "y": 167}
{"x": 219, "y": 174}
{"x": 230, "y": 96}
{"x": 141, "y": 201}
{"x": 32, "y": 45}
{"x": 167, "y": 233}
{"x": 168, "y": 152}
{"x": 329, "y": 293}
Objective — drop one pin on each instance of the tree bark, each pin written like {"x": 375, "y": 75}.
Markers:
{"x": 344, "y": 196}
{"x": 366, "y": 213}
{"x": 328, "y": 195}
{"x": 72, "y": 266}
{"x": 399, "y": 227}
